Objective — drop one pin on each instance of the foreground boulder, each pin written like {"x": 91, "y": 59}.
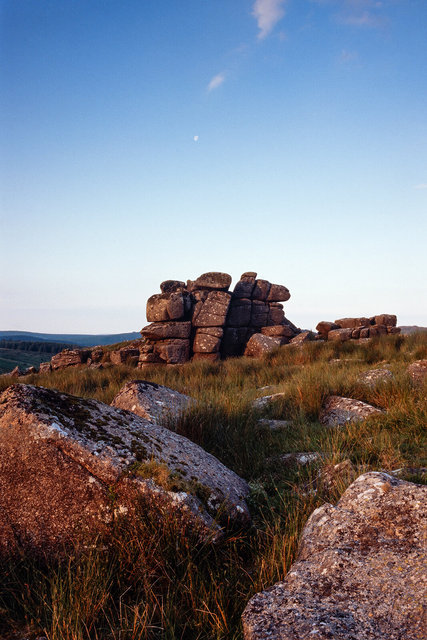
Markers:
{"x": 69, "y": 465}
{"x": 152, "y": 401}
{"x": 337, "y": 411}
{"x": 359, "y": 573}
{"x": 418, "y": 371}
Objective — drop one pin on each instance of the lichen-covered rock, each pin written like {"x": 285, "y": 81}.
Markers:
{"x": 352, "y": 323}
{"x": 152, "y": 401}
{"x": 278, "y": 293}
{"x": 69, "y": 358}
{"x": 211, "y": 280}
{"x": 67, "y": 465}
{"x": 375, "y": 376}
{"x": 418, "y": 371}
{"x": 265, "y": 401}
{"x": 206, "y": 342}
{"x": 261, "y": 290}
{"x": 281, "y": 330}
{"x": 340, "y": 335}
{"x": 302, "y": 337}
{"x": 214, "y": 309}
{"x": 239, "y": 313}
{"x": 45, "y": 367}
{"x": 170, "y": 286}
{"x": 325, "y": 327}
{"x": 386, "y": 319}
{"x": 125, "y": 355}
{"x": 259, "y": 344}
{"x": 165, "y": 330}
{"x": 360, "y": 573}
{"x": 337, "y": 411}
{"x": 173, "y": 351}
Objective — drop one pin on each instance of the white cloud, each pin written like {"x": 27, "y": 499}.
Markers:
{"x": 216, "y": 81}
{"x": 423, "y": 185}
{"x": 195, "y": 138}
{"x": 267, "y": 14}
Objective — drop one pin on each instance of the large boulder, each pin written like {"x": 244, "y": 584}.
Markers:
{"x": 337, "y": 411}
{"x": 69, "y": 358}
{"x": 69, "y": 465}
{"x": 340, "y": 335}
{"x": 213, "y": 311}
{"x": 166, "y": 330}
{"x": 359, "y": 572}
{"x": 278, "y": 293}
{"x": 173, "y": 350}
{"x": 239, "y": 313}
{"x": 352, "y": 323}
{"x": 211, "y": 280}
{"x": 125, "y": 355}
{"x": 259, "y": 344}
{"x": 325, "y": 327}
{"x": 152, "y": 401}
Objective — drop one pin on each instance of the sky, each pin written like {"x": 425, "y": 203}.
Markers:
{"x": 146, "y": 140}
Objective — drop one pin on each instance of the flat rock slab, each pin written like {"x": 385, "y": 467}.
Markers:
{"x": 375, "y": 376}
{"x": 338, "y": 411}
{"x": 152, "y": 401}
{"x": 68, "y": 465}
{"x": 360, "y": 573}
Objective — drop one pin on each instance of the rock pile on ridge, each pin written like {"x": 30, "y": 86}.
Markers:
{"x": 203, "y": 320}
{"x": 355, "y": 328}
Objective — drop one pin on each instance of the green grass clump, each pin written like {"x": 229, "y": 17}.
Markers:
{"x": 151, "y": 579}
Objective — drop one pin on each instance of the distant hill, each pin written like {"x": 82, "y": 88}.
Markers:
{"x": 408, "y": 329}
{"x": 79, "y": 339}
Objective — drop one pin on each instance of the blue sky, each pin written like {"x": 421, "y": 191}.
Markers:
{"x": 148, "y": 140}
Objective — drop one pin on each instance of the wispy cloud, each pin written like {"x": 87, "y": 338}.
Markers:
{"x": 216, "y": 81}
{"x": 348, "y": 58}
{"x": 357, "y": 13}
{"x": 267, "y": 14}
{"x": 423, "y": 185}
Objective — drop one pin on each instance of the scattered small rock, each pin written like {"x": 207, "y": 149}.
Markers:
{"x": 264, "y": 401}
{"x": 338, "y": 411}
{"x": 274, "y": 425}
{"x": 375, "y": 376}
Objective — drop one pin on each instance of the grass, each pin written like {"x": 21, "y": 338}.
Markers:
{"x": 152, "y": 580}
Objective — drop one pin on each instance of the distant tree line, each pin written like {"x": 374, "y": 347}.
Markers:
{"x": 36, "y": 347}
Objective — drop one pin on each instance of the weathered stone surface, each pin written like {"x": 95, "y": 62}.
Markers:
{"x": 45, "y": 367}
{"x": 387, "y": 319}
{"x": 176, "y": 306}
{"x": 364, "y": 333}
{"x": 261, "y": 290}
{"x": 165, "y": 330}
{"x": 280, "y": 330}
{"x": 249, "y": 275}
{"x": 169, "y": 286}
{"x": 149, "y": 358}
{"x": 352, "y": 323}
{"x": 301, "y": 338}
{"x": 126, "y": 355}
{"x": 62, "y": 458}
{"x": 239, "y": 313}
{"x": 244, "y": 288}
{"x": 278, "y": 293}
{"x": 340, "y": 335}
{"x": 69, "y": 358}
{"x": 152, "y": 401}
{"x": 259, "y": 344}
{"x": 218, "y": 332}
{"x": 375, "y": 376}
{"x": 96, "y": 354}
{"x": 359, "y": 573}
{"x": 212, "y": 280}
{"x": 157, "y": 307}
{"x": 355, "y": 334}
{"x": 393, "y": 330}
{"x": 276, "y": 315}
{"x": 338, "y": 411}
{"x": 214, "y": 310}
{"x": 325, "y": 327}
{"x": 377, "y": 330}
{"x": 418, "y": 371}
{"x": 259, "y": 314}
{"x": 264, "y": 401}
{"x": 173, "y": 351}
{"x": 206, "y": 343}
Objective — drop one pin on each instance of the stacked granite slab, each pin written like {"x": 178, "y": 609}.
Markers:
{"x": 203, "y": 320}
{"x": 356, "y": 328}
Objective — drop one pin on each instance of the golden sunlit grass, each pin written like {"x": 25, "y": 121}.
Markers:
{"x": 149, "y": 580}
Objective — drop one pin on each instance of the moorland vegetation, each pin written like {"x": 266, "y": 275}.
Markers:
{"x": 149, "y": 581}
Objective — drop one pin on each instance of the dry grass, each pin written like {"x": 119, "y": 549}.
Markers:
{"x": 151, "y": 581}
